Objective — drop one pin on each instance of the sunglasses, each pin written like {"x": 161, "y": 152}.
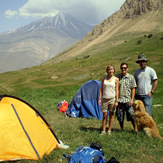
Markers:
{"x": 124, "y": 68}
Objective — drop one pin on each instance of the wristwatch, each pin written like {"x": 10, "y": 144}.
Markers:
{"x": 152, "y": 93}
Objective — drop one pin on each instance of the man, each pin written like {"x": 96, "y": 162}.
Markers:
{"x": 147, "y": 81}
{"x": 127, "y": 87}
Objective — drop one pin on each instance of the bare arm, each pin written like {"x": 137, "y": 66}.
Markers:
{"x": 155, "y": 83}
{"x": 116, "y": 92}
{"x": 132, "y": 96}
{"x": 101, "y": 92}
{"x": 154, "y": 86}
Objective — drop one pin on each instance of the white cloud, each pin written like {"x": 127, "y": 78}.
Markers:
{"x": 10, "y": 13}
{"x": 91, "y": 11}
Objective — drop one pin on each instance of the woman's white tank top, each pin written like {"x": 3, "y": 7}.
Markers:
{"x": 109, "y": 88}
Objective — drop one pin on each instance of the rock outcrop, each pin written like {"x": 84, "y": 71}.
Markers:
{"x": 129, "y": 10}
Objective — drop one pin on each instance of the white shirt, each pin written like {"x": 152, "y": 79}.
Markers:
{"x": 144, "y": 79}
{"x": 109, "y": 88}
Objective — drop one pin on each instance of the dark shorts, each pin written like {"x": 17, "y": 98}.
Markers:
{"x": 121, "y": 109}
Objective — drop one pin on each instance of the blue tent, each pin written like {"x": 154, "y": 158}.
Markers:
{"x": 85, "y": 101}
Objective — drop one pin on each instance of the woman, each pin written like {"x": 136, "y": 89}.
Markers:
{"x": 109, "y": 93}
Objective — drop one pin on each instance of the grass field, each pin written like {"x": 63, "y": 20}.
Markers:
{"x": 45, "y": 85}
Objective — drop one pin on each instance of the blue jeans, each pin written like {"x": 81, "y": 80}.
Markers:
{"x": 147, "y": 102}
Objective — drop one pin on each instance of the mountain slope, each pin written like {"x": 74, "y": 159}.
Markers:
{"x": 39, "y": 41}
{"x": 135, "y": 18}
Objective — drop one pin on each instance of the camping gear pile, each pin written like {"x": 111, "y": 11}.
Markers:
{"x": 62, "y": 106}
{"x": 88, "y": 154}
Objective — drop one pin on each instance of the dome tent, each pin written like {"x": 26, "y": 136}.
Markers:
{"x": 85, "y": 101}
{"x": 24, "y": 134}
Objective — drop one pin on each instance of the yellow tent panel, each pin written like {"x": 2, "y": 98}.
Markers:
{"x": 24, "y": 133}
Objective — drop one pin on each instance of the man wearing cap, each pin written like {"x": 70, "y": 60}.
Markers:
{"x": 147, "y": 81}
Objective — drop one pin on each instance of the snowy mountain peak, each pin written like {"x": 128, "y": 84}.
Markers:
{"x": 60, "y": 23}
{"x": 61, "y": 19}
{"x": 53, "y": 14}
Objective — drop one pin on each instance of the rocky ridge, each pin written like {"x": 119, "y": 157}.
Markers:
{"x": 135, "y": 17}
{"x": 129, "y": 10}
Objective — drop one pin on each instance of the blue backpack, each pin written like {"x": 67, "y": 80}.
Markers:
{"x": 88, "y": 154}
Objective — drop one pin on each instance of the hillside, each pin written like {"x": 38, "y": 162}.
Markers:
{"x": 45, "y": 85}
{"x": 134, "y": 19}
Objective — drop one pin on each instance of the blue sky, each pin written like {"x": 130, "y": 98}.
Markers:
{"x": 17, "y": 13}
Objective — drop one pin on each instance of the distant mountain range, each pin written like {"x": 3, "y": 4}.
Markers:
{"x": 39, "y": 41}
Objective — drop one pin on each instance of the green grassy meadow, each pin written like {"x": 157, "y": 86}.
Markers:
{"x": 44, "y": 86}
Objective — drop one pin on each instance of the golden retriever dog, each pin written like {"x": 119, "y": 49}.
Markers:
{"x": 143, "y": 121}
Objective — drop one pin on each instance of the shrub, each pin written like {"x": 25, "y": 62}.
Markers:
{"x": 139, "y": 42}
{"x": 86, "y": 56}
{"x": 150, "y": 35}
